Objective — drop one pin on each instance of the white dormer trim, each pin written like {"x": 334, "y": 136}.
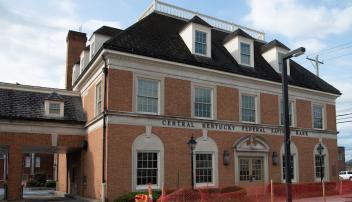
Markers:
{"x": 188, "y": 35}
{"x": 96, "y": 41}
{"x": 234, "y": 48}
{"x": 47, "y": 111}
{"x": 84, "y": 60}
{"x": 272, "y": 57}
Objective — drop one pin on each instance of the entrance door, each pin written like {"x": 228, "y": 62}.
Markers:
{"x": 251, "y": 170}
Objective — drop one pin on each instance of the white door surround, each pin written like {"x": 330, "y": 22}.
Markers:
{"x": 251, "y": 146}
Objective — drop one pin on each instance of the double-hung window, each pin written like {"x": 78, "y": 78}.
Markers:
{"x": 54, "y": 108}
{"x": 37, "y": 162}
{"x": 98, "y": 98}
{"x": 245, "y": 51}
{"x": 204, "y": 168}
{"x": 200, "y": 42}
{"x": 148, "y": 96}
{"x": 318, "y": 116}
{"x": 147, "y": 168}
{"x": 319, "y": 166}
{"x": 27, "y": 162}
{"x": 248, "y": 108}
{"x": 290, "y": 113}
{"x": 203, "y": 102}
{"x": 284, "y": 167}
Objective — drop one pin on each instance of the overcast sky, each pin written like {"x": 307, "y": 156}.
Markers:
{"x": 33, "y": 35}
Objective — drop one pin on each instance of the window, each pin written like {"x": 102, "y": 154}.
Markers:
{"x": 54, "y": 108}
{"x": 280, "y": 58}
{"x": 147, "y": 168}
{"x": 148, "y": 96}
{"x": 248, "y": 108}
{"x": 251, "y": 169}
{"x": 27, "y": 162}
{"x": 203, "y": 102}
{"x": 317, "y": 117}
{"x": 284, "y": 168}
{"x": 98, "y": 98}
{"x": 321, "y": 162}
{"x": 204, "y": 168}
{"x": 245, "y": 53}
{"x": 319, "y": 166}
{"x": 201, "y": 42}
{"x": 290, "y": 111}
{"x": 37, "y": 162}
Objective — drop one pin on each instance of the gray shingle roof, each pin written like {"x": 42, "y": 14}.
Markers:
{"x": 29, "y": 105}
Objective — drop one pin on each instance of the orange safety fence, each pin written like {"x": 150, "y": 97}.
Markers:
{"x": 258, "y": 193}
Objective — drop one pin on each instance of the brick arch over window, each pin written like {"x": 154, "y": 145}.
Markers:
{"x": 147, "y": 162}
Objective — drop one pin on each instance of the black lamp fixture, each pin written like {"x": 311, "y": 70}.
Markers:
{"x": 192, "y": 145}
{"x": 226, "y": 157}
{"x": 295, "y": 53}
{"x": 320, "y": 151}
{"x": 275, "y": 158}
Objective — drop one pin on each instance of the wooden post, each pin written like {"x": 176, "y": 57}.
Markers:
{"x": 271, "y": 191}
{"x": 340, "y": 191}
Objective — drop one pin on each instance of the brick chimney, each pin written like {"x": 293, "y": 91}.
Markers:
{"x": 76, "y": 42}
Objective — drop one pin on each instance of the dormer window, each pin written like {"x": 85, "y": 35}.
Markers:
{"x": 54, "y": 105}
{"x": 245, "y": 53}
{"x": 54, "y": 108}
{"x": 197, "y": 36}
{"x": 201, "y": 42}
{"x": 273, "y": 52}
{"x": 241, "y": 46}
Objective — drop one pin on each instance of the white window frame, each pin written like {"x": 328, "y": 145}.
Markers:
{"x": 154, "y": 186}
{"x": 213, "y": 100}
{"x": 250, "y": 53}
{"x": 323, "y": 115}
{"x": 295, "y": 154}
{"x": 212, "y": 183}
{"x": 206, "y": 42}
{"x": 257, "y": 106}
{"x": 47, "y": 108}
{"x": 96, "y": 99}
{"x": 160, "y": 94}
{"x": 293, "y": 101}
{"x": 147, "y": 142}
{"x": 326, "y": 162}
{"x": 37, "y": 161}
{"x": 27, "y": 162}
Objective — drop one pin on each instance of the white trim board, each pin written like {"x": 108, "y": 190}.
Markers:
{"x": 210, "y": 125}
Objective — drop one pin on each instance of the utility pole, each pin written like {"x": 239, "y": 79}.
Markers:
{"x": 316, "y": 63}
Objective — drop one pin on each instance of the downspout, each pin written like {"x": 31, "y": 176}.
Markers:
{"x": 105, "y": 72}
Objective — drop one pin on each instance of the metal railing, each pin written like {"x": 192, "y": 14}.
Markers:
{"x": 172, "y": 10}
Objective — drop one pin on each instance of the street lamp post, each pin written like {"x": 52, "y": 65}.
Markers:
{"x": 320, "y": 151}
{"x": 192, "y": 145}
{"x": 294, "y": 53}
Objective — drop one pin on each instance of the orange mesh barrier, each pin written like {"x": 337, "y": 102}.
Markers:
{"x": 262, "y": 193}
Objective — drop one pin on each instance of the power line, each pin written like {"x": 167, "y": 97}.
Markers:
{"x": 331, "y": 49}
{"x": 349, "y": 121}
{"x": 344, "y": 118}
{"x": 316, "y": 63}
{"x": 336, "y": 57}
{"x": 344, "y": 114}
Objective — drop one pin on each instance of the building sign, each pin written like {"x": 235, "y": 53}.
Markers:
{"x": 230, "y": 127}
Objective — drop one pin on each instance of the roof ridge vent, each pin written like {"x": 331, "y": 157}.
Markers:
{"x": 178, "y": 12}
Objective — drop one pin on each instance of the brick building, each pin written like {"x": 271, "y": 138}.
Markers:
{"x": 136, "y": 97}
{"x": 341, "y": 161}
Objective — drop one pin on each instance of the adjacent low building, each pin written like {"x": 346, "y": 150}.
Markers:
{"x": 146, "y": 90}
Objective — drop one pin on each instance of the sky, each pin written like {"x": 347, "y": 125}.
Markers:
{"x": 33, "y": 36}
